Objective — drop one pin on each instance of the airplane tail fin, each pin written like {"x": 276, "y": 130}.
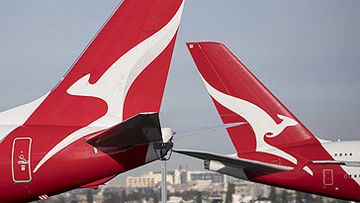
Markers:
{"x": 122, "y": 72}
{"x": 241, "y": 98}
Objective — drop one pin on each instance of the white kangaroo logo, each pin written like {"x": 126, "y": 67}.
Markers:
{"x": 261, "y": 122}
{"x": 114, "y": 84}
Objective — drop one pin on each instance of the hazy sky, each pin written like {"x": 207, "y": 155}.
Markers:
{"x": 307, "y": 52}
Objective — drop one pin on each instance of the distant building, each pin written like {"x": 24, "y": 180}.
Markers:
{"x": 183, "y": 175}
{"x": 149, "y": 180}
{"x": 174, "y": 199}
{"x": 206, "y": 175}
{"x": 246, "y": 191}
{"x": 180, "y": 180}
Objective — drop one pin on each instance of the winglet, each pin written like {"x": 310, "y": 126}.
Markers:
{"x": 141, "y": 129}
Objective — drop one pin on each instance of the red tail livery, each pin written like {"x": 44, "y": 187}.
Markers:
{"x": 273, "y": 146}
{"x": 102, "y": 118}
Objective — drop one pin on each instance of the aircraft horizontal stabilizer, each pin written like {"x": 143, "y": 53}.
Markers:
{"x": 141, "y": 129}
{"x": 336, "y": 162}
{"x": 235, "y": 163}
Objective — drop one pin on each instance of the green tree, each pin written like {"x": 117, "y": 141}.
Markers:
{"x": 154, "y": 196}
{"x": 123, "y": 197}
{"x": 111, "y": 197}
{"x": 318, "y": 199}
{"x": 341, "y": 201}
{"x": 299, "y": 197}
{"x": 198, "y": 197}
{"x": 89, "y": 195}
{"x": 284, "y": 196}
{"x": 272, "y": 195}
{"x": 308, "y": 198}
{"x": 230, "y": 191}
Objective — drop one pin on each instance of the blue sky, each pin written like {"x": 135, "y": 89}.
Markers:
{"x": 307, "y": 52}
